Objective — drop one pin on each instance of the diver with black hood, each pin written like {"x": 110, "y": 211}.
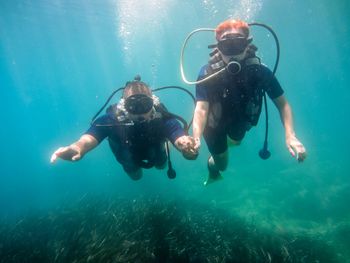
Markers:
{"x": 138, "y": 128}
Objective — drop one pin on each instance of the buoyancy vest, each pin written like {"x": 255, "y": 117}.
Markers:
{"x": 236, "y": 97}
{"x": 136, "y": 131}
{"x": 137, "y": 137}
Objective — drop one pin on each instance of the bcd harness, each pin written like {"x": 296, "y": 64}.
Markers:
{"x": 134, "y": 134}
{"x": 238, "y": 93}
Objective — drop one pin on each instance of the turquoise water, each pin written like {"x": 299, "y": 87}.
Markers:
{"x": 60, "y": 60}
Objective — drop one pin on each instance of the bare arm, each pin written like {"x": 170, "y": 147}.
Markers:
{"x": 285, "y": 114}
{"x": 76, "y": 150}
{"x": 200, "y": 120}
{"x": 295, "y": 147}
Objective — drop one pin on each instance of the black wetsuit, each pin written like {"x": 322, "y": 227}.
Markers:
{"x": 139, "y": 144}
{"x": 235, "y": 103}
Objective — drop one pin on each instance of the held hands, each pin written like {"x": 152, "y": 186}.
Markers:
{"x": 197, "y": 143}
{"x": 296, "y": 148}
{"x": 69, "y": 153}
{"x": 186, "y": 145}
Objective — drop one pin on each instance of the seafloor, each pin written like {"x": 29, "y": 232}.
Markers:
{"x": 150, "y": 230}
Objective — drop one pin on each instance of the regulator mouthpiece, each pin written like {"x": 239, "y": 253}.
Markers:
{"x": 233, "y": 67}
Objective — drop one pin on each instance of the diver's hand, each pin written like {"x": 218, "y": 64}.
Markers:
{"x": 296, "y": 148}
{"x": 69, "y": 153}
{"x": 186, "y": 145}
{"x": 197, "y": 143}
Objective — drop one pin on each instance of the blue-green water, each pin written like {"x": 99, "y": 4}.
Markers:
{"x": 60, "y": 60}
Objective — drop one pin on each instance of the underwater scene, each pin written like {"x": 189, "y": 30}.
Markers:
{"x": 60, "y": 60}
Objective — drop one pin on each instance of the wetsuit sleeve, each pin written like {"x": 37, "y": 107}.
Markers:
{"x": 201, "y": 89}
{"x": 173, "y": 129}
{"x": 100, "y": 132}
{"x": 271, "y": 84}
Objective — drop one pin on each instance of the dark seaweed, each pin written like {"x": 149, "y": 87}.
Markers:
{"x": 149, "y": 230}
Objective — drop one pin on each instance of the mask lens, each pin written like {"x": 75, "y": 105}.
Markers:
{"x": 232, "y": 46}
{"x": 138, "y": 104}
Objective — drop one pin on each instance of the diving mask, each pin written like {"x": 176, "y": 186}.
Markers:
{"x": 233, "y": 44}
{"x": 138, "y": 104}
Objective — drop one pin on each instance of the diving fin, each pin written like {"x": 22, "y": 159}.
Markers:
{"x": 214, "y": 175}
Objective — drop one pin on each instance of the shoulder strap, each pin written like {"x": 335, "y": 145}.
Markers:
{"x": 252, "y": 61}
{"x": 111, "y": 108}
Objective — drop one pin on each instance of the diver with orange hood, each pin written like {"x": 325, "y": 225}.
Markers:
{"x": 230, "y": 91}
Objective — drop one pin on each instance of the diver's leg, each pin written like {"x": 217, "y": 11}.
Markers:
{"x": 218, "y": 162}
{"x": 127, "y": 160}
{"x": 217, "y": 144}
{"x": 133, "y": 170}
{"x": 236, "y": 133}
{"x": 232, "y": 142}
{"x": 135, "y": 174}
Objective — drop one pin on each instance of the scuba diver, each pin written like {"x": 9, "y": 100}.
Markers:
{"x": 137, "y": 128}
{"x": 229, "y": 95}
